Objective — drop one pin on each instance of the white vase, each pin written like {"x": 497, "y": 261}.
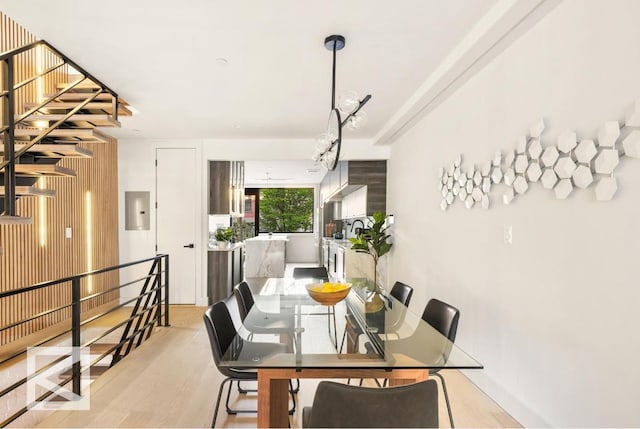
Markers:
{"x": 223, "y": 244}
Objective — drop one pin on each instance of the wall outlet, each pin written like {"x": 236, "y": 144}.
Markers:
{"x": 67, "y": 232}
{"x": 508, "y": 234}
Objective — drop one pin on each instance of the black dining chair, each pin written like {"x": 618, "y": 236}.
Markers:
{"x": 337, "y": 405}
{"x": 222, "y": 338}
{"x": 400, "y": 291}
{"x": 444, "y": 318}
{"x": 310, "y": 272}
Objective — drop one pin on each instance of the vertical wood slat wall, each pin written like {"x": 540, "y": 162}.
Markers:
{"x": 40, "y": 252}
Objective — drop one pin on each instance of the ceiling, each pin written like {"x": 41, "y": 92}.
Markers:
{"x": 258, "y": 70}
{"x": 250, "y": 69}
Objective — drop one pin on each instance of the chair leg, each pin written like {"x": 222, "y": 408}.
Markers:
{"x": 344, "y": 337}
{"x": 293, "y": 397}
{"x": 215, "y": 411}
{"x": 446, "y": 396}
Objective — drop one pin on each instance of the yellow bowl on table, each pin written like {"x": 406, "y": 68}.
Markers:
{"x": 328, "y": 293}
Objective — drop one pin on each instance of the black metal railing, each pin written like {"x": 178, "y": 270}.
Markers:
{"x": 150, "y": 308}
{"x": 9, "y": 121}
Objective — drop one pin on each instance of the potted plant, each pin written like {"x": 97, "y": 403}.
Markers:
{"x": 224, "y": 237}
{"x": 374, "y": 241}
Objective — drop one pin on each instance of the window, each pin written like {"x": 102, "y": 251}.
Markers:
{"x": 285, "y": 210}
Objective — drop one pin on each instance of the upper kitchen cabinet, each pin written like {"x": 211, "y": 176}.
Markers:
{"x": 351, "y": 176}
{"x": 226, "y": 187}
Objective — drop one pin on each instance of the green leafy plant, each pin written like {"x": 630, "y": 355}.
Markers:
{"x": 374, "y": 242}
{"x": 224, "y": 234}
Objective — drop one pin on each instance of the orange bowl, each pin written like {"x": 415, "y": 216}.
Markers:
{"x": 328, "y": 293}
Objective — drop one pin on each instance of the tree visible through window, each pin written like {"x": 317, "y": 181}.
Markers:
{"x": 286, "y": 210}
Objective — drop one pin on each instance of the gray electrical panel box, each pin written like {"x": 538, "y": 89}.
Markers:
{"x": 137, "y": 210}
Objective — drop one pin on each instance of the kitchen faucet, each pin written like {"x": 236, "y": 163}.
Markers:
{"x": 356, "y": 221}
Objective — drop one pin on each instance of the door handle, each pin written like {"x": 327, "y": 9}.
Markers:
{"x": 190, "y": 246}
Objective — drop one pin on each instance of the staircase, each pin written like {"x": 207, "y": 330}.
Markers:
{"x": 35, "y": 136}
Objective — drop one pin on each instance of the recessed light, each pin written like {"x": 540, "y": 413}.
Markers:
{"x": 221, "y": 61}
{"x": 313, "y": 170}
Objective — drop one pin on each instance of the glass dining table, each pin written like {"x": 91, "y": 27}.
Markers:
{"x": 385, "y": 340}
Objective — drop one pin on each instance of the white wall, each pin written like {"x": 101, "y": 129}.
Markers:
{"x": 553, "y": 317}
{"x": 136, "y": 172}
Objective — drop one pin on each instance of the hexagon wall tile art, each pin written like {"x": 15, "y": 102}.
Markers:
{"x": 570, "y": 165}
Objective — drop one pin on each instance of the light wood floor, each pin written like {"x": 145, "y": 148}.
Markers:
{"x": 171, "y": 381}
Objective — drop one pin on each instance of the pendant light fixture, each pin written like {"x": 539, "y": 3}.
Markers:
{"x": 346, "y": 113}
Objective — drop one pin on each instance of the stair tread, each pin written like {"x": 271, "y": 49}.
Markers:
{"x": 68, "y": 150}
{"x": 44, "y": 170}
{"x": 24, "y": 191}
{"x": 92, "y": 120}
{"x": 89, "y": 135}
{"x": 104, "y": 106}
{"x": 79, "y": 96}
{"x": 15, "y": 220}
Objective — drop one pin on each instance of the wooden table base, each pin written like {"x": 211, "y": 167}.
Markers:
{"x": 273, "y": 387}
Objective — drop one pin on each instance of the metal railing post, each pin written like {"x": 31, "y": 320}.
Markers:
{"x": 9, "y": 156}
{"x": 75, "y": 333}
{"x": 166, "y": 292}
{"x": 158, "y": 303}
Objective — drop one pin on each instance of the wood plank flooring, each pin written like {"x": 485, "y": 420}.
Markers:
{"x": 171, "y": 381}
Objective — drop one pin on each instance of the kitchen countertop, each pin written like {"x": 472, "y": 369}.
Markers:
{"x": 233, "y": 246}
{"x": 267, "y": 238}
{"x": 338, "y": 241}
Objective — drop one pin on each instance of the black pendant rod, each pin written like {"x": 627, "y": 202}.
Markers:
{"x": 333, "y": 78}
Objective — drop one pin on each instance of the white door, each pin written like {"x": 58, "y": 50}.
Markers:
{"x": 176, "y": 192}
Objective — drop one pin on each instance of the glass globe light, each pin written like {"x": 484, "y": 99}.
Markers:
{"x": 322, "y": 142}
{"x": 348, "y": 102}
{"x": 358, "y": 120}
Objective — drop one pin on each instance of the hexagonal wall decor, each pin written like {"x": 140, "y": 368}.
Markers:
{"x": 476, "y": 194}
{"x": 549, "y": 178}
{"x": 585, "y": 151}
{"x": 508, "y": 196}
{"x": 497, "y": 159}
{"x": 536, "y": 129}
{"x": 606, "y": 161}
{"x": 462, "y": 194}
{"x": 582, "y": 176}
{"x": 564, "y": 167}
{"x": 520, "y": 185}
{"x": 521, "y": 164}
{"x": 550, "y": 156}
{"x": 509, "y": 177}
{"x": 535, "y": 149}
{"x": 477, "y": 178}
{"x": 608, "y": 134}
{"x": 606, "y": 188}
{"x": 534, "y": 172}
{"x": 631, "y": 144}
{"x": 509, "y": 158}
{"x": 522, "y": 144}
{"x": 485, "y": 202}
{"x": 486, "y": 169}
{"x": 496, "y": 175}
{"x": 567, "y": 141}
{"x": 486, "y": 185}
{"x": 468, "y": 203}
{"x": 563, "y": 189}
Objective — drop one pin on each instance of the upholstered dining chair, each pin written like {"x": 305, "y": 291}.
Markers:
{"x": 222, "y": 337}
{"x": 338, "y": 405}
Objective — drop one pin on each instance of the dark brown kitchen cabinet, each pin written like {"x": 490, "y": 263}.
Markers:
{"x": 351, "y": 176}
{"x": 225, "y": 269}
{"x": 226, "y": 187}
